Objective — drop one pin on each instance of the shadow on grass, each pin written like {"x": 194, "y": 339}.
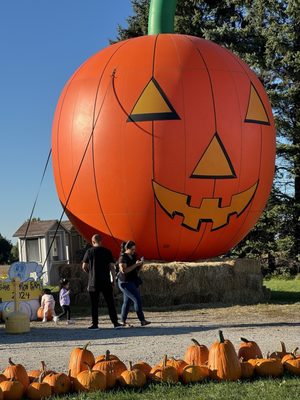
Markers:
{"x": 284, "y": 297}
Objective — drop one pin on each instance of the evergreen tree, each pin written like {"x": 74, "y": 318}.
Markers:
{"x": 5, "y": 248}
{"x": 14, "y": 254}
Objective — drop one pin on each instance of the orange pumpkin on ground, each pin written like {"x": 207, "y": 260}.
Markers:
{"x": 223, "y": 362}
{"x": 35, "y": 373}
{"x": 39, "y": 390}
{"x": 291, "y": 363}
{"x": 176, "y": 363}
{"x": 17, "y": 372}
{"x": 72, "y": 382}
{"x": 249, "y": 349}
{"x": 133, "y": 377}
{"x": 269, "y": 367}
{"x": 253, "y": 361}
{"x": 290, "y": 356}
{"x": 40, "y": 314}
{"x": 196, "y": 353}
{"x": 247, "y": 369}
{"x": 110, "y": 362}
{"x": 164, "y": 372}
{"x": 60, "y": 383}
{"x": 80, "y": 358}
{"x": 12, "y": 389}
{"x": 90, "y": 380}
{"x": 144, "y": 367}
{"x": 108, "y": 370}
{"x": 279, "y": 354}
{"x": 107, "y": 356}
{"x": 194, "y": 373}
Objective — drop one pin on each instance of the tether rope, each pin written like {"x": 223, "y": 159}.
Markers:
{"x": 35, "y": 201}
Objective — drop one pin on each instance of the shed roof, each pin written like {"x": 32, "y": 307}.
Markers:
{"x": 39, "y": 228}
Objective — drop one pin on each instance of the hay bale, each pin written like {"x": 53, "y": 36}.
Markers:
{"x": 228, "y": 281}
{"x": 166, "y": 284}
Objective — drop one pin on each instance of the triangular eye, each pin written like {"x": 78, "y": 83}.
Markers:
{"x": 152, "y": 105}
{"x": 215, "y": 162}
{"x": 256, "y": 112}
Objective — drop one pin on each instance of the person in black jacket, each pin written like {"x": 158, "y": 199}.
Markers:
{"x": 129, "y": 282}
{"x": 98, "y": 262}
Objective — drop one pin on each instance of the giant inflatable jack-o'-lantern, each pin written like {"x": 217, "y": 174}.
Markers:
{"x": 167, "y": 140}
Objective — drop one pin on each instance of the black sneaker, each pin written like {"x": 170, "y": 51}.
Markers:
{"x": 144, "y": 323}
{"x": 95, "y": 327}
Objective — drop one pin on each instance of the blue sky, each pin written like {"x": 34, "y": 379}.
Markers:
{"x": 42, "y": 42}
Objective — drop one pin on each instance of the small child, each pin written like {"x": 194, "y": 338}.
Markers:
{"x": 48, "y": 305}
{"x": 64, "y": 300}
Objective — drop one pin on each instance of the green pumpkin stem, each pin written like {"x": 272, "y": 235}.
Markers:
{"x": 86, "y": 345}
{"x": 43, "y": 366}
{"x": 41, "y": 377}
{"x": 222, "y": 340}
{"x": 283, "y": 348}
{"x": 10, "y": 362}
{"x": 130, "y": 366}
{"x": 165, "y": 360}
{"x": 294, "y": 353}
{"x": 107, "y": 355}
{"x": 161, "y": 16}
{"x": 196, "y": 343}
{"x": 244, "y": 340}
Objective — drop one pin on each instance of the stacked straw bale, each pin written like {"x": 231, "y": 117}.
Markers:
{"x": 237, "y": 281}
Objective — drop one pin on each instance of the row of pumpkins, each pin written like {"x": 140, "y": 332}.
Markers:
{"x": 87, "y": 373}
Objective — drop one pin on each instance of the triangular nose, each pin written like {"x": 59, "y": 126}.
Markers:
{"x": 215, "y": 162}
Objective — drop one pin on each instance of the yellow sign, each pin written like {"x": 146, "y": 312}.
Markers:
{"x": 29, "y": 290}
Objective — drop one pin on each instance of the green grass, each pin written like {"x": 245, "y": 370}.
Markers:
{"x": 286, "y": 388}
{"x": 284, "y": 290}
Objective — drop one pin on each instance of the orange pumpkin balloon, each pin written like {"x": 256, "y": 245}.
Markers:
{"x": 165, "y": 137}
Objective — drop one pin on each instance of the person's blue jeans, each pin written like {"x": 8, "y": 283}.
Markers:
{"x": 131, "y": 295}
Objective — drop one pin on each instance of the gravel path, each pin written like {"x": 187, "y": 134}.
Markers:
{"x": 169, "y": 333}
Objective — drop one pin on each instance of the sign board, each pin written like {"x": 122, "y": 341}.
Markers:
{"x": 29, "y": 290}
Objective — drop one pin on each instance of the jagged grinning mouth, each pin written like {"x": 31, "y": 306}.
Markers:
{"x": 210, "y": 210}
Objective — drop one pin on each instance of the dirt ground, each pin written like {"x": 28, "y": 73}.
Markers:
{"x": 169, "y": 333}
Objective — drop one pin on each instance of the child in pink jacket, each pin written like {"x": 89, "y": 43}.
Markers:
{"x": 48, "y": 305}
